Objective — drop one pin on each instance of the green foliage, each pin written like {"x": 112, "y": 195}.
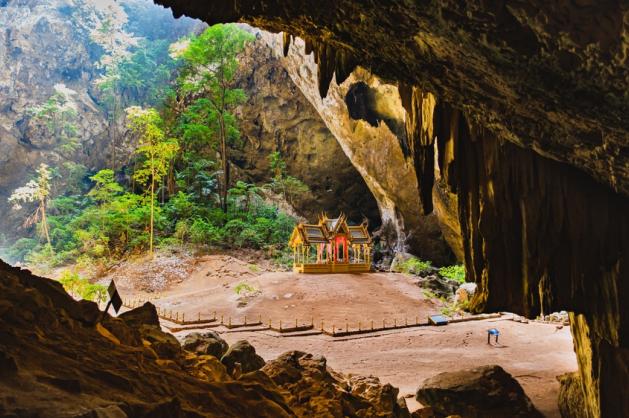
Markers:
{"x": 414, "y": 265}
{"x": 81, "y": 288}
{"x": 179, "y": 188}
{"x": 456, "y": 272}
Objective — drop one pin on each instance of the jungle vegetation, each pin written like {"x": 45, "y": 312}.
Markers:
{"x": 177, "y": 102}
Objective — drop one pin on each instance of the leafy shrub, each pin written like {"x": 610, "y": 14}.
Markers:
{"x": 204, "y": 233}
{"x": 80, "y": 287}
{"x": 456, "y": 272}
{"x": 414, "y": 265}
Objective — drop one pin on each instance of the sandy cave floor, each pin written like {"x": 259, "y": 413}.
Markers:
{"x": 533, "y": 353}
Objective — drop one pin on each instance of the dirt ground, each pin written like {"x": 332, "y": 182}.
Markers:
{"x": 533, "y": 353}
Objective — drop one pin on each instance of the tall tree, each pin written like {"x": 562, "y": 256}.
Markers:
{"x": 157, "y": 151}
{"x": 210, "y": 64}
{"x": 35, "y": 191}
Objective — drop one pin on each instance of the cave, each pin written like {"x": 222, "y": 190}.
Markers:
{"x": 528, "y": 106}
{"x": 510, "y": 121}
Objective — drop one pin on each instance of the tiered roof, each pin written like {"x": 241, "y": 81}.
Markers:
{"x": 328, "y": 228}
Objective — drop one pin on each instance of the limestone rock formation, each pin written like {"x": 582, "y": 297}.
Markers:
{"x": 313, "y": 390}
{"x": 482, "y": 392}
{"x": 277, "y": 117}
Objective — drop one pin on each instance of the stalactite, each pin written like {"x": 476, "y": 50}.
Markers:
{"x": 286, "y": 39}
{"x": 419, "y": 108}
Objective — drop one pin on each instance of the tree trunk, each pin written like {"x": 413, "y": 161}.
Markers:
{"x": 225, "y": 164}
{"x": 44, "y": 222}
{"x": 152, "y": 204}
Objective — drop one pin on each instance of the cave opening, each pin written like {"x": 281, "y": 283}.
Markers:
{"x": 496, "y": 201}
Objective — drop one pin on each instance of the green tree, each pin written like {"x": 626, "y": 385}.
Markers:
{"x": 209, "y": 66}
{"x": 35, "y": 191}
{"x": 157, "y": 151}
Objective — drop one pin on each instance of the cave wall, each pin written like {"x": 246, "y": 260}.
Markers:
{"x": 277, "y": 117}
{"x": 536, "y": 93}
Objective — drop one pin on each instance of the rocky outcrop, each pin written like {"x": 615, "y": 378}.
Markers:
{"x": 482, "y": 392}
{"x": 57, "y": 359}
{"x": 277, "y": 117}
{"x": 313, "y": 390}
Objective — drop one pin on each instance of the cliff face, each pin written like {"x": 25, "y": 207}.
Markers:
{"x": 527, "y": 102}
{"x": 277, "y": 117}
{"x": 34, "y": 57}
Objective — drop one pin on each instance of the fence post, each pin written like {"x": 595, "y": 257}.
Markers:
{"x": 359, "y": 327}
{"x": 199, "y": 317}
{"x": 394, "y": 322}
{"x": 295, "y": 322}
{"x": 183, "y": 317}
{"x": 322, "y": 325}
{"x": 245, "y": 319}
{"x": 346, "y": 326}
{"x": 372, "y": 324}
{"x": 221, "y": 319}
{"x": 280, "y": 325}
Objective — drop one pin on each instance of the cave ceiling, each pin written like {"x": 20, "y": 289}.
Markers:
{"x": 550, "y": 76}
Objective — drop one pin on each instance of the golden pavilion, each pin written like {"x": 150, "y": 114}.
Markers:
{"x": 331, "y": 246}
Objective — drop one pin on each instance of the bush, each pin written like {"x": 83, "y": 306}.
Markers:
{"x": 80, "y": 287}
{"x": 456, "y": 272}
{"x": 204, "y": 233}
{"x": 414, "y": 265}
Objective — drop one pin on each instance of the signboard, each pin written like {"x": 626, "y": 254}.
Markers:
{"x": 114, "y": 297}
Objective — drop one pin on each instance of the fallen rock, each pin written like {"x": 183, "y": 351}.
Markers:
{"x": 481, "y": 392}
{"x": 143, "y": 315}
{"x": 314, "y": 390}
{"x": 205, "y": 343}
{"x": 243, "y": 353}
{"x": 465, "y": 292}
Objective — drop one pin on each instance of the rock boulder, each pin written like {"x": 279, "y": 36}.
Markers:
{"x": 481, "y": 392}
{"x": 205, "y": 343}
{"x": 243, "y": 353}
